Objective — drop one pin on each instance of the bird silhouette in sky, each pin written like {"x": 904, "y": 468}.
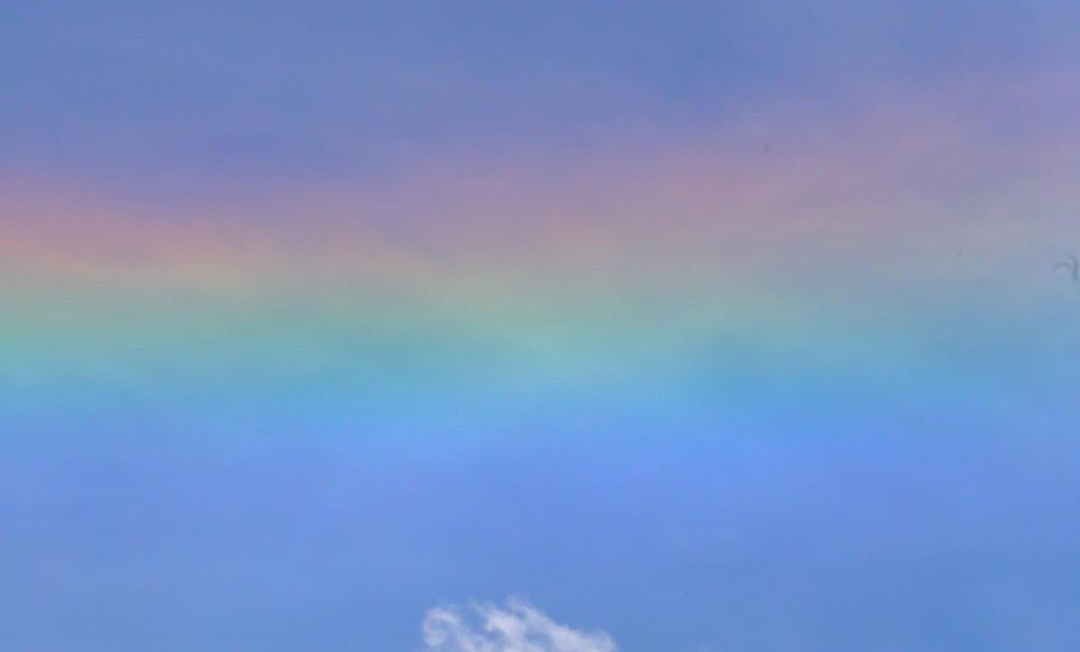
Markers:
{"x": 1072, "y": 266}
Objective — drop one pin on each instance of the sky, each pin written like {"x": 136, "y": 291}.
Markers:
{"x": 539, "y": 326}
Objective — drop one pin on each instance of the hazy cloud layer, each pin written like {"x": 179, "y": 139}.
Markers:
{"x": 517, "y": 627}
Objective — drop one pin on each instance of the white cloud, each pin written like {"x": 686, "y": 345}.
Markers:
{"x": 517, "y": 627}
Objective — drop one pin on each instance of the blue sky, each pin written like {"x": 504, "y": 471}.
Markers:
{"x": 206, "y": 445}
{"x": 139, "y": 93}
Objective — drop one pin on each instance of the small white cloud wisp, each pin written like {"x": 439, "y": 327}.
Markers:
{"x": 517, "y": 627}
